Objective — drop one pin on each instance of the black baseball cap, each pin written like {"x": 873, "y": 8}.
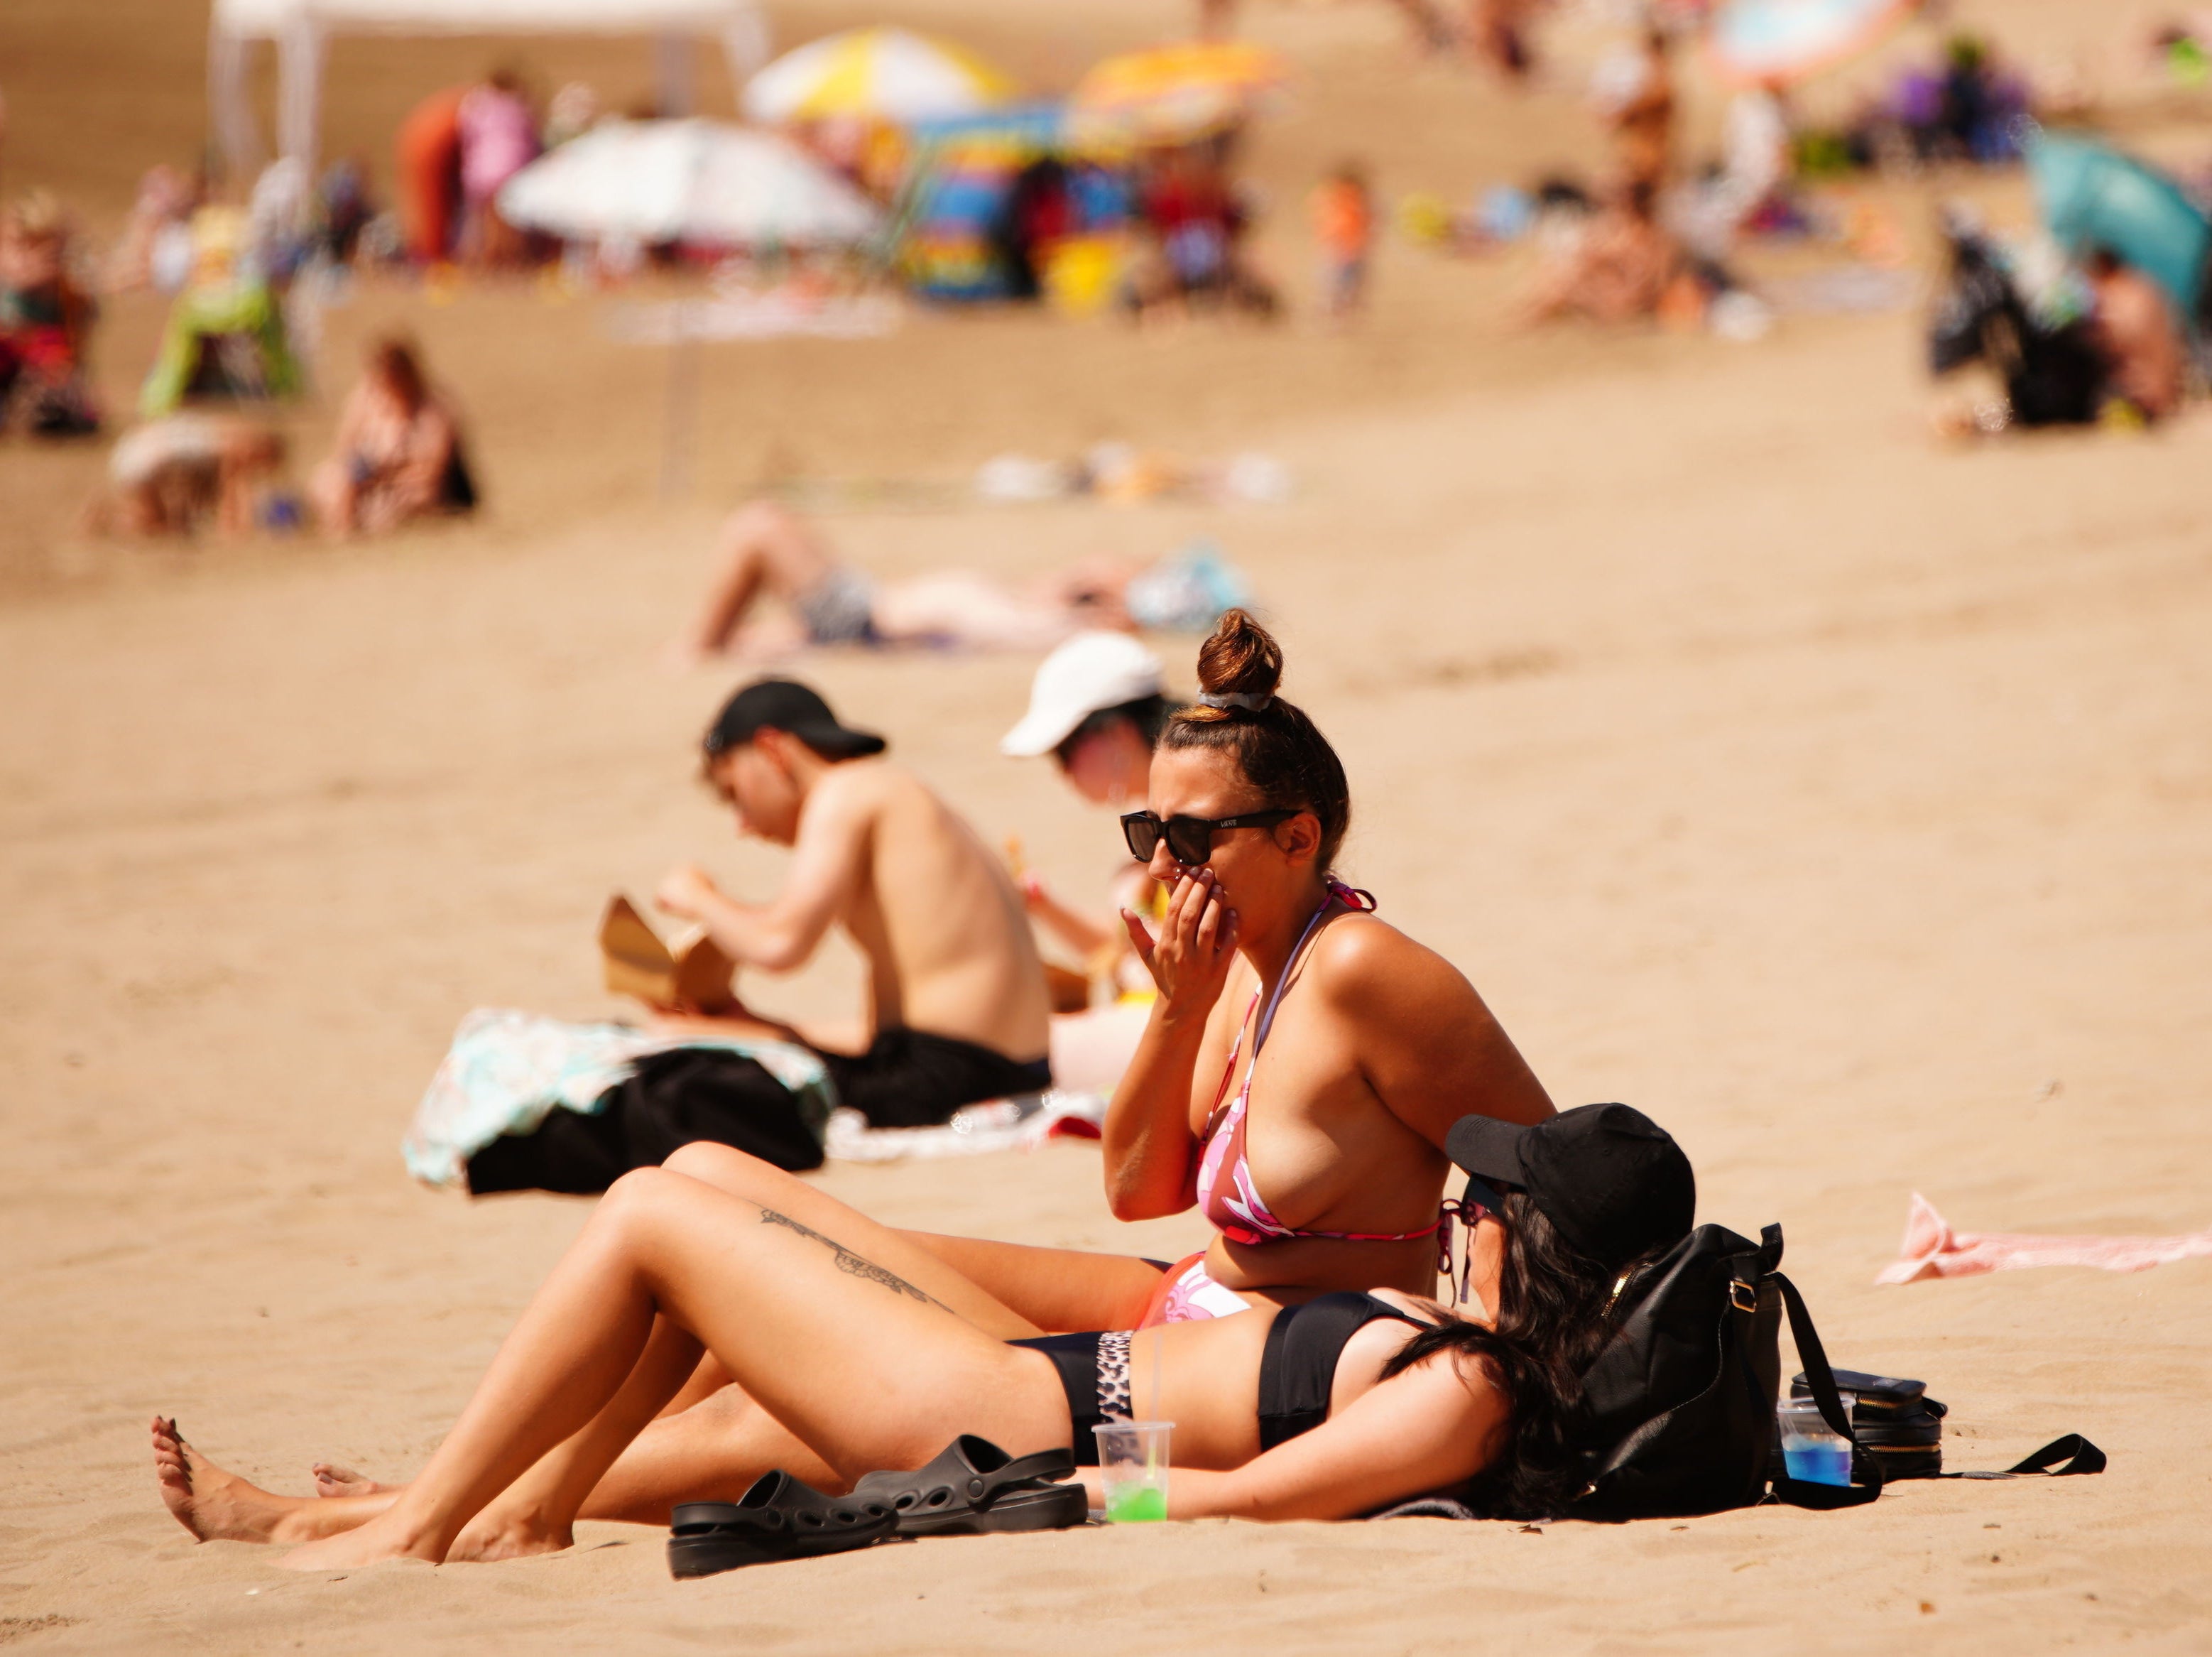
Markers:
{"x": 786, "y": 705}
{"x": 1611, "y": 1180}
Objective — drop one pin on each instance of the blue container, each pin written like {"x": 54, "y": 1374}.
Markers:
{"x": 1817, "y": 1460}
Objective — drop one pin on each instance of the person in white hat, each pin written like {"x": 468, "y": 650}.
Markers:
{"x": 1097, "y": 706}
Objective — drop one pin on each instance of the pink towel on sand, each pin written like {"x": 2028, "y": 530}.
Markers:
{"x": 1932, "y": 1249}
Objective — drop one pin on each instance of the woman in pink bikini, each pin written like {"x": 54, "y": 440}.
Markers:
{"x": 1296, "y": 1080}
{"x": 1303, "y": 1059}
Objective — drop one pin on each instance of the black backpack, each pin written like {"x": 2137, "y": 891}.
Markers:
{"x": 1677, "y": 1416}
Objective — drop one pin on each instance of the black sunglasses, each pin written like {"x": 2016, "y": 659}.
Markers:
{"x": 1190, "y": 839}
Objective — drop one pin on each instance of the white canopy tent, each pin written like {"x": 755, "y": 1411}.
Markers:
{"x": 300, "y": 31}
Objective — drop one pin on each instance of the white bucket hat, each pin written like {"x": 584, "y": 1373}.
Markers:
{"x": 1091, "y": 673}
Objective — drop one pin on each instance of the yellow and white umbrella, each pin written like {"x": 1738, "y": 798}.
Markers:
{"x": 874, "y": 74}
{"x": 1170, "y": 94}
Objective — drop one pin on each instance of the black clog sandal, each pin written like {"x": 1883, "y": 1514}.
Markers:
{"x": 974, "y": 1488}
{"x": 779, "y": 1518}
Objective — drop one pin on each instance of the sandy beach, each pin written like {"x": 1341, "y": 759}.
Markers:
{"x": 1839, "y": 799}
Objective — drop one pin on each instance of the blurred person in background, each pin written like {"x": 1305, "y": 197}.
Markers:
{"x": 156, "y": 249}
{"x": 1499, "y": 32}
{"x": 1098, "y": 706}
{"x": 45, "y": 322}
{"x": 1344, "y": 225}
{"x": 2145, "y": 364}
{"x": 225, "y": 336}
{"x": 428, "y": 156}
{"x": 342, "y": 207}
{"x": 1637, "y": 91}
{"x": 398, "y": 451}
{"x": 1618, "y": 268}
{"x": 768, "y": 550}
{"x": 498, "y": 139}
{"x": 173, "y": 475}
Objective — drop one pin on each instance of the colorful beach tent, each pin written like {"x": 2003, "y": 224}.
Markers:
{"x": 690, "y": 181}
{"x": 874, "y": 74}
{"x": 957, "y": 185}
{"x": 2092, "y": 195}
{"x": 1757, "y": 41}
{"x": 952, "y": 222}
{"x": 300, "y": 31}
{"x": 1171, "y": 94}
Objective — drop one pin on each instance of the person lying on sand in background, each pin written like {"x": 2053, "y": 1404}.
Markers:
{"x": 1098, "y": 706}
{"x": 171, "y": 475}
{"x": 956, "y": 1009}
{"x": 398, "y": 451}
{"x": 858, "y": 1351}
{"x": 768, "y": 551}
{"x": 1618, "y": 268}
{"x": 1295, "y": 1081}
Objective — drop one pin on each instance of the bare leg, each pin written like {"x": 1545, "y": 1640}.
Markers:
{"x": 218, "y": 1506}
{"x": 711, "y": 1440}
{"x": 711, "y": 1452}
{"x": 764, "y": 548}
{"x": 963, "y": 608}
{"x": 805, "y": 1324}
{"x": 330, "y": 491}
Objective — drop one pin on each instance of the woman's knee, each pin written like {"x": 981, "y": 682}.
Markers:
{"x": 724, "y": 1167}
{"x": 639, "y": 1193}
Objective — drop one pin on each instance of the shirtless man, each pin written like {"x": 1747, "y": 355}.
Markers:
{"x": 958, "y": 1010}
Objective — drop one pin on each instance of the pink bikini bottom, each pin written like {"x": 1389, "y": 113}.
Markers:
{"x": 1187, "y": 1294}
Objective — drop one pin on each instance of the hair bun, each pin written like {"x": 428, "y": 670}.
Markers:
{"x": 1239, "y": 658}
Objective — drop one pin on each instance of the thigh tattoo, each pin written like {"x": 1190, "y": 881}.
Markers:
{"x": 851, "y": 1264}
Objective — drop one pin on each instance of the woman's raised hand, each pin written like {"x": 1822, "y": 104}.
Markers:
{"x": 1189, "y": 961}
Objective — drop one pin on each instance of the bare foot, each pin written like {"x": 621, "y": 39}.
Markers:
{"x": 332, "y": 1480}
{"x": 215, "y": 1506}
{"x": 494, "y": 1535}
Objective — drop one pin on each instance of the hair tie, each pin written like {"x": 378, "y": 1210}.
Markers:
{"x": 1252, "y": 704}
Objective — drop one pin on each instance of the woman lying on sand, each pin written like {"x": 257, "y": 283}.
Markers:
{"x": 860, "y": 1351}
{"x": 1295, "y": 1082}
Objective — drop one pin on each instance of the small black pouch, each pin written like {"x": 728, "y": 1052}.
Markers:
{"x": 1895, "y": 1421}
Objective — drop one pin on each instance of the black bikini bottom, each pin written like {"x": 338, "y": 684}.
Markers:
{"x": 1297, "y": 1368}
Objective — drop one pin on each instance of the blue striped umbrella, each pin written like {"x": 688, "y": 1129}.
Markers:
{"x": 2091, "y": 195}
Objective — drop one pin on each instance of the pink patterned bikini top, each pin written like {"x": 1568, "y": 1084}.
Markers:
{"x": 1226, "y": 1194}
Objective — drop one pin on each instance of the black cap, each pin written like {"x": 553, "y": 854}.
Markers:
{"x": 786, "y": 705}
{"x": 1611, "y": 1180}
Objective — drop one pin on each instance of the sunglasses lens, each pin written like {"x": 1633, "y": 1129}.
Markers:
{"x": 1190, "y": 839}
{"x": 1143, "y": 834}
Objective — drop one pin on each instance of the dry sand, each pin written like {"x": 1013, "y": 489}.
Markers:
{"x": 1842, "y": 802}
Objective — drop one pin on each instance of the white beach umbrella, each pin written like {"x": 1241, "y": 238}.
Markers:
{"x": 688, "y": 180}
{"x": 874, "y": 74}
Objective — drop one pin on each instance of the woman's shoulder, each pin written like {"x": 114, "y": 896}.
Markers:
{"x": 1359, "y": 954}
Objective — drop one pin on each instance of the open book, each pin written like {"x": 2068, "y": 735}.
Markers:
{"x": 688, "y": 971}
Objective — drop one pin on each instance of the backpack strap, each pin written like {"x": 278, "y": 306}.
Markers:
{"x": 1866, "y": 1471}
{"x": 1770, "y": 1249}
{"x": 2077, "y": 1454}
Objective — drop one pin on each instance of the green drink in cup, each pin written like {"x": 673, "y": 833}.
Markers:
{"x": 1133, "y": 1458}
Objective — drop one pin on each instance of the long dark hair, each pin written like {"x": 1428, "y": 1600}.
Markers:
{"x": 1282, "y": 754}
{"x": 1554, "y": 1306}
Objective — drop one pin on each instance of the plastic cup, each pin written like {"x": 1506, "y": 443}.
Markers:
{"x": 1132, "y": 1462}
{"x": 1812, "y": 1452}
